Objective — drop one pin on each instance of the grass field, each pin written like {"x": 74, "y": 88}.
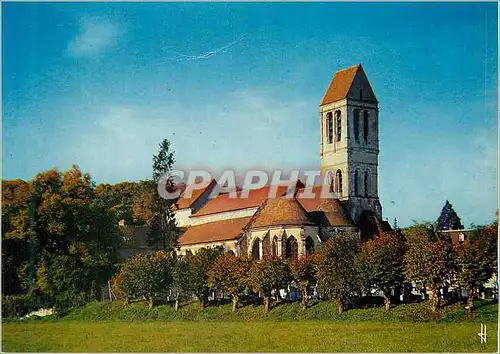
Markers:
{"x": 71, "y": 336}
{"x": 117, "y": 327}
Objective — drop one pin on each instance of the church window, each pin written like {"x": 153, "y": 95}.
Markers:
{"x": 329, "y": 127}
{"x": 361, "y": 94}
{"x": 338, "y": 182}
{"x": 356, "y": 187}
{"x": 292, "y": 248}
{"x": 256, "y": 250}
{"x": 365, "y": 124}
{"x": 356, "y": 124}
{"x": 274, "y": 247}
{"x": 309, "y": 245}
{"x": 189, "y": 253}
{"x": 366, "y": 183}
{"x": 338, "y": 126}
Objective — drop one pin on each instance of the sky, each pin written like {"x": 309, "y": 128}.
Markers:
{"x": 238, "y": 85}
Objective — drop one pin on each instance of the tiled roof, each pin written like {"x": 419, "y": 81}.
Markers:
{"x": 280, "y": 211}
{"x": 224, "y": 230}
{"x": 340, "y": 85}
{"x": 183, "y": 203}
{"x": 322, "y": 210}
{"x": 223, "y": 202}
{"x": 454, "y": 235}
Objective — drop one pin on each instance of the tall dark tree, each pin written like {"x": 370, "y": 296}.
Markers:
{"x": 163, "y": 232}
{"x": 449, "y": 220}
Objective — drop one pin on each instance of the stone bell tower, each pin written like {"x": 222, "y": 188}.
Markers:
{"x": 349, "y": 144}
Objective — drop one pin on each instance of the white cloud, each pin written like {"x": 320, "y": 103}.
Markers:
{"x": 94, "y": 36}
{"x": 242, "y": 129}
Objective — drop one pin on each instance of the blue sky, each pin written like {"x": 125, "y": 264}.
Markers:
{"x": 239, "y": 85}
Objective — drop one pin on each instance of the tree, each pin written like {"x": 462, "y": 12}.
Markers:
{"x": 267, "y": 275}
{"x": 181, "y": 278}
{"x": 449, "y": 220}
{"x": 148, "y": 276}
{"x": 163, "y": 232}
{"x": 199, "y": 266}
{"x": 66, "y": 239}
{"x": 476, "y": 260}
{"x": 384, "y": 257}
{"x": 336, "y": 268}
{"x": 230, "y": 274}
{"x": 119, "y": 200}
{"x": 425, "y": 261}
{"x": 303, "y": 270}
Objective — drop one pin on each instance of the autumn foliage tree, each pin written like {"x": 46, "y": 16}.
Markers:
{"x": 384, "y": 259}
{"x": 198, "y": 273}
{"x": 181, "y": 278}
{"x": 230, "y": 274}
{"x": 268, "y": 275}
{"x": 425, "y": 261}
{"x": 476, "y": 260}
{"x": 58, "y": 221}
{"x": 303, "y": 270}
{"x": 148, "y": 276}
{"x": 336, "y": 270}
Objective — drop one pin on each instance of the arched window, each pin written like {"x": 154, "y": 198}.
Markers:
{"x": 189, "y": 253}
{"x": 274, "y": 247}
{"x": 309, "y": 245}
{"x": 356, "y": 124}
{"x": 365, "y": 125}
{"x": 366, "y": 183}
{"x": 356, "y": 187}
{"x": 338, "y": 182}
{"x": 230, "y": 252}
{"x": 292, "y": 248}
{"x": 329, "y": 128}
{"x": 338, "y": 126}
{"x": 256, "y": 250}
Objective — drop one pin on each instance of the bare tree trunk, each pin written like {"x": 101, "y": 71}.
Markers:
{"x": 387, "y": 301}
{"x": 341, "y": 305}
{"x": 470, "y": 298}
{"x": 150, "y": 301}
{"x": 176, "y": 301}
{"x": 203, "y": 303}
{"x": 406, "y": 293}
{"x": 235, "y": 302}
{"x": 266, "y": 304}
{"x": 304, "y": 297}
{"x": 434, "y": 299}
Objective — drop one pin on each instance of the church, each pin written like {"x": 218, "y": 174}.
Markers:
{"x": 259, "y": 226}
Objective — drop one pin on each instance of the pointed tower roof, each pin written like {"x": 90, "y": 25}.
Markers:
{"x": 342, "y": 83}
{"x": 280, "y": 211}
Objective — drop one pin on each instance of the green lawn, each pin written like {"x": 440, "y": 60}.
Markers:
{"x": 286, "y": 336}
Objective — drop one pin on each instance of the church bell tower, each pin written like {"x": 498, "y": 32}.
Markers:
{"x": 349, "y": 144}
